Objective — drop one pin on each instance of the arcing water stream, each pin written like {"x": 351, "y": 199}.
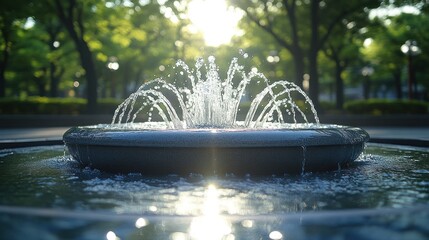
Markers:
{"x": 207, "y": 100}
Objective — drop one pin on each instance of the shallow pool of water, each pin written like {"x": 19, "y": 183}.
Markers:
{"x": 46, "y": 195}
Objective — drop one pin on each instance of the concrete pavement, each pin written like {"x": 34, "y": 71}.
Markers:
{"x": 416, "y": 133}
{"x": 27, "y": 137}
{"x": 15, "y": 134}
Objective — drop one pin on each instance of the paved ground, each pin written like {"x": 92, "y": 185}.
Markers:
{"x": 412, "y": 136}
{"x": 23, "y": 137}
{"x": 16, "y": 134}
{"x": 416, "y": 133}
{"x": 55, "y": 133}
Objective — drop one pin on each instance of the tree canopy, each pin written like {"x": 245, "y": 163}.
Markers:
{"x": 106, "y": 49}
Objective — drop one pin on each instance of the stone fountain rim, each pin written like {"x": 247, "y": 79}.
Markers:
{"x": 216, "y": 138}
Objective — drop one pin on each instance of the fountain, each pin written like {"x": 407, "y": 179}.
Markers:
{"x": 47, "y": 194}
{"x": 200, "y": 131}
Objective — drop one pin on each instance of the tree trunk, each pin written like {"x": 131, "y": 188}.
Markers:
{"x": 398, "y": 84}
{"x": 339, "y": 86}
{"x": 5, "y": 58}
{"x": 53, "y": 29}
{"x": 54, "y": 80}
{"x": 2, "y": 76}
{"x": 87, "y": 62}
{"x": 41, "y": 83}
{"x": 296, "y": 49}
{"x": 73, "y": 23}
{"x": 298, "y": 60}
{"x": 314, "y": 49}
{"x": 366, "y": 87}
{"x": 40, "y": 87}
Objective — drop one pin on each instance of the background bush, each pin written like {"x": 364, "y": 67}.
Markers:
{"x": 386, "y": 106}
{"x": 45, "y": 105}
{"x": 76, "y": 106}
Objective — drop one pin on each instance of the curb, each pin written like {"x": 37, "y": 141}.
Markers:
{"x": 6, "y": 144}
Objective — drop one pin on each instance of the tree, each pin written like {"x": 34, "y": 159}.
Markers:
{"x": 341, "y": 54}
{"x": 53, "y": 29}
{"x": 71, "y": 13}
{"x": 6, "y": 33}
{"x": 10, "y": 12}
{"x": 288, "y": 22}
{"x": 343, "y": 48}
{"x": 384, "y": 52}
{"x": 388, "y": 34}
{"x": 278, "y": 19}
{"x": 141, "y": 49}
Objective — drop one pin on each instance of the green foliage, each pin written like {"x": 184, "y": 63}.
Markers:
{"x": 386, "y": 106}
{"x": 327, "y": 107}
{"x": 146, "y": 37}
{"x": 107, "y": 105}
{"x": 388, "y": 34}
{"x": 44, "y": 105}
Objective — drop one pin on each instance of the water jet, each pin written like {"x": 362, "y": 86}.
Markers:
{"x": 200, "y": 131}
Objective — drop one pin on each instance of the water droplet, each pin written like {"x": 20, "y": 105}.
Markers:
{"x": 276, "y": 235}
{"x": 243, "y": 53}
{"x": 209, "y": 100}
{"x": 178, "y": 236}
{"x": 247, "y": 223}
{"x": 111, "y": 236}
{"x": 199, "y": 63}
{"x": 141, "y": 222}
{"x": 153, "y": 208}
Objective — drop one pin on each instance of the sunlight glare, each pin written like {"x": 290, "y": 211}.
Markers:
{"x": 216, "y": 21}
{"x": 211, "y": 225}
{"x": 29, "y": 23}
{"x": 141, "y": 222}
{"x": 111, "y": 236}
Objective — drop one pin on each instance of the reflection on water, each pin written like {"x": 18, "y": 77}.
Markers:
{"x": 141, "y": 222}
{"x": 276, "y": 235}
{"x": 405, "y": 223}
{"x": 47, "y": 193}
{"x": 211, "y": 225}
{"x": 111, "y": 236}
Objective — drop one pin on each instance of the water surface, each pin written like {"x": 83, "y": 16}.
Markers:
{"x": 44, "y": 190}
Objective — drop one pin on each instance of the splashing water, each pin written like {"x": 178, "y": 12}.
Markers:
{"x": 208, "y": 101}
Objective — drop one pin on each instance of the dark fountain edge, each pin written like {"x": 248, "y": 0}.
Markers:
{"x": 216, "y": 151}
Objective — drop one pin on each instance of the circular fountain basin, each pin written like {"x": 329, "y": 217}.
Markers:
{"x": 216, "y": 151}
